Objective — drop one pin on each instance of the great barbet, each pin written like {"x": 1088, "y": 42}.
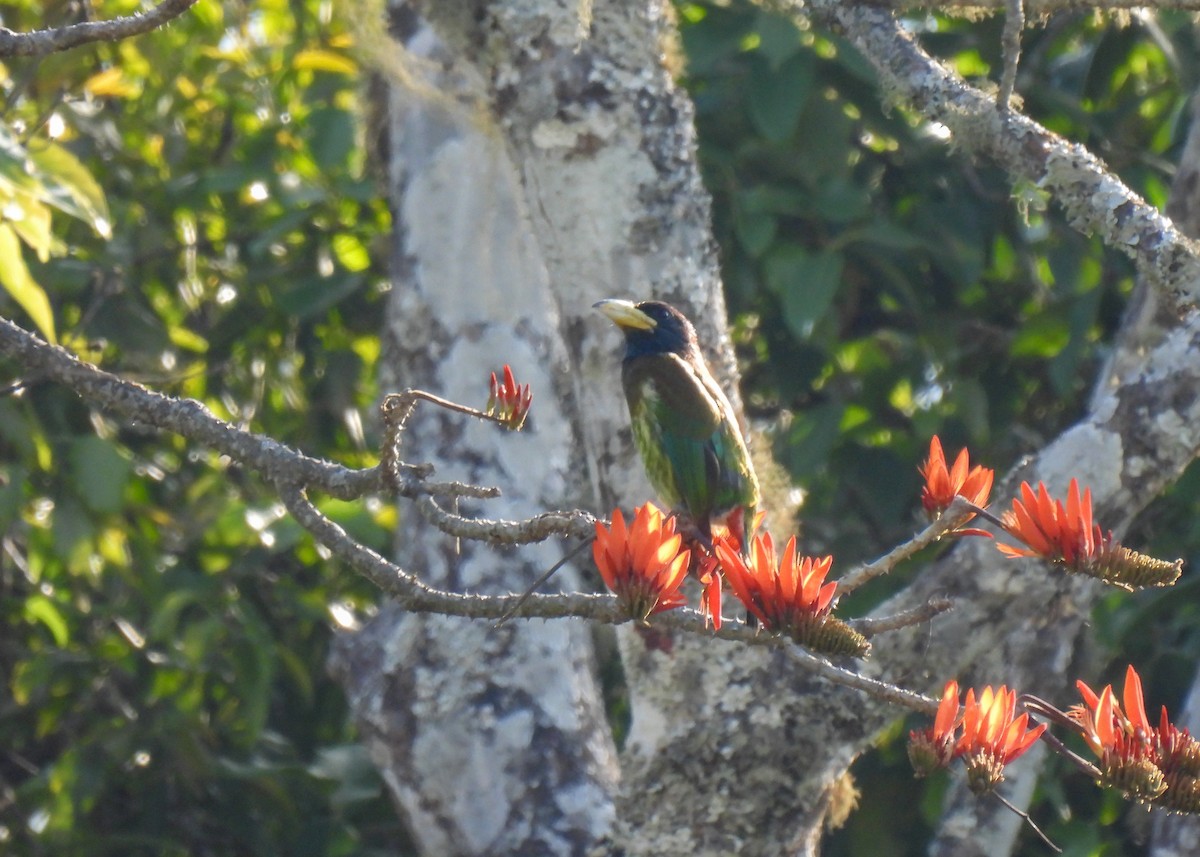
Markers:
{"x": 683, "y": 425}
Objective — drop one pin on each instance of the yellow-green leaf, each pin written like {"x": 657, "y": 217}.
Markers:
{"x": 110, "y": 83}
{"x": 317, "y": 60}
{"x": 31, "y": 221}
{"x": 39, "y": 608}
{"x": 70, "y": 187}
{"x": 17, "y": 281}
{"x": 351, "y": 252}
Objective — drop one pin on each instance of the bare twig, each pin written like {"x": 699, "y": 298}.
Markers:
{"x": 395, "y": 409}
{"x": 575, "y": 523}
{"x": 869, "y": 627}
{"x": 546, "y": 575}
{"x": 1025, "y": 816}
{"x": 951, "y": 519}
{"x": 878, "y": 689}
{"x": 39, "y": 42}
{"x": 1014, "y": 24}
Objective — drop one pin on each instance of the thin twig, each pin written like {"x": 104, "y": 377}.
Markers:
{"x": 39, "y": 42}
{"x": 957, "y": 514}
{"x": 1025, "y": 816}
{"x": 567, "y": 557}
{"x": 576, "y": 523}
{"x": 869, "y": 627}
{"x": 1010, "y": 44}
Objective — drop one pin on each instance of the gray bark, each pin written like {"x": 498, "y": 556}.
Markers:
{"x": 493, "y": 741}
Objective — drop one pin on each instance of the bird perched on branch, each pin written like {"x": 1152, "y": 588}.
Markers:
{"x": 683, "y": 425}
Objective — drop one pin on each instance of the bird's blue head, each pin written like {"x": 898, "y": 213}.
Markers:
{"x": 650, "y": 327}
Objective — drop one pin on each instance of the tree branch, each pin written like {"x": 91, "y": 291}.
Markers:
{"x": 186, "y": 417}
{"x": 1094, "y": 200}
{"x": 39, "y": 42}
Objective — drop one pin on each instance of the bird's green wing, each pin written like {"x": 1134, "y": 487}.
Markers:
{"x": 684, "y": 427}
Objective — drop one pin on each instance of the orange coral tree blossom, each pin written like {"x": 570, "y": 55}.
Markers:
{"x": 987, "y": 736}
{"x": 1067, "y": 536}
{"x": 789, "y": 594}
{"x": 644, "y": 563}
{"x": 1122, "y": 740}
{"x": 943, "y": 484}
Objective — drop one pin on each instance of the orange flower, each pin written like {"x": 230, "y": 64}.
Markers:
{"x": 789, "y": 595}
{"x": 991, "y": 737}
{"x": 933, "y": 748}
{"x": 1122, "y": 740}
{"x": 509, "y": 401}
{"x": 644, "y": 563}
{"x": 1178, "y": 757}
{"x": 710, "y": 598}
{"x": 942, "y": 485}
{"x": 1067, "y": 535}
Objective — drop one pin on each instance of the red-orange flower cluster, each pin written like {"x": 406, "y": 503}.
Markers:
{"x": 943, "y": 484}
{"x": 1122, "y": 740}
{"x": 1067, "y": 535}
{"x": 509, "y": 401}
{"x": 644, "y": 563}
{"x": 991, "y": 736}
{"x": 789, "y": 594}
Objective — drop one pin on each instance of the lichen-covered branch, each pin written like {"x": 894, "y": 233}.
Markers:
{"x": 38, "y": 42}
{"x": 1092, "y": 197}
{"x": 37, "y": 359}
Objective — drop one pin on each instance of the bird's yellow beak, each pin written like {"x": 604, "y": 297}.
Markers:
{"x": 625, "y": 315}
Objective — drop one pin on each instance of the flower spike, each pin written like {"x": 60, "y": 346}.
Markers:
{"x": 1121, "y": 739}
{"x": 509, "y": 401}
{"x": 644, "y": 563}
{"x": 1067, "y": 536}
{"x": 789, "y": 594}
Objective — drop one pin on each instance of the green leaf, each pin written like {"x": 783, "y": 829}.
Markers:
{"x": 18, "y": 282}
{"x": 320, "y": 60}
{"x": 811, "y": 438}
{"x": 70, "y": 187}
{"x": 331, "y": 137}
{"x": 1043, "y": 336}
{"x": 39, "y": 608}
{"x": 100, "y": 473}
{"x": 351, "y": 252}
{"x": 779, "y": 38}
{"x": 755, "y": 231}
{"x": 777, "y": 97}
{"x": 31, "y": 221}
{"x": 805, "y": 282}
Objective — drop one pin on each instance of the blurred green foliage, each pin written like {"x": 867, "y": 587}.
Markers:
{"x": 190, "y": 208}
{"x": 196, "y": 214}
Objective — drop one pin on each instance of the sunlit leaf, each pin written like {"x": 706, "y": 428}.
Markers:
{"x": 351, "y": 252}
{"x": 110, "y": 83}
{"x": 70, "y": 187}
{"x": 19, "y": 283}
{"x": 318, "y": 60}
{"x": 39, "y": 608}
